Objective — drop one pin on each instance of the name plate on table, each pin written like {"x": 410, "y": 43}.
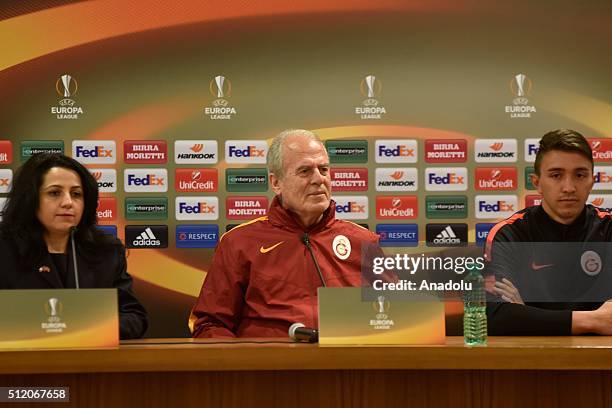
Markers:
{"x": 346, "y": 318}
{"x": 58, "y": 318}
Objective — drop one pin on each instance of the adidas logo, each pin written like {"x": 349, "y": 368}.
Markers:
{"x": 447, "y": 236}
{"x": 146, "y": 238}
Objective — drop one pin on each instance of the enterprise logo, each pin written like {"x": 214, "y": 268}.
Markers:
{"x": 195, "y": 151}
{"x": 203, "y": 208}
{"x": 6, "y": 179}
{"x": 145, "y": 180}
{"x": 446, "y": 235}
{"x": 246, "y": 151}
{"x": 30, "y": 147}
{"x": 398, "y": 235}
{"x": 146, "y": 208}
{"x": 396, "y": 151}
{"x": 197, "y": 236}
{"x": 146, "y": 236}
{"x": 94, "y": 151}
{"x": 495, "y": 150}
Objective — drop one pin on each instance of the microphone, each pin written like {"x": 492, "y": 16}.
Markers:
{"x": 74, "y": 259}
{"x": 299, "y": 332}
{"x": 306, "y": 241}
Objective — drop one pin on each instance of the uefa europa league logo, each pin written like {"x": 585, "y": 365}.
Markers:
{"x": 53, "y": 306}
{"x": 521, "y": 87}
{"x": 66, "y": 87}
{"x": 370, "y": 88}
{"x": 221, "y": 88}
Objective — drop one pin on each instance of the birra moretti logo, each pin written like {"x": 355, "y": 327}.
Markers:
{"x": 221, "y": 89}
{"x": 370, "y": 108}
{"x": 520, "y": 86}
{"x": 66, "y": 87}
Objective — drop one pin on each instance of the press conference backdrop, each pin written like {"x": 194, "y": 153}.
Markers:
{"x": 431, "y": 112}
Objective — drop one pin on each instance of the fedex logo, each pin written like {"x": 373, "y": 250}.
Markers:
{"x": 6, "y": 178}
{"x": 107, "y": 209}
{"x": 531, "y": 149}
{"x": 446, "y": 179}
{"x": 106, "y": 179}
{"x": 602, "y": 149}
{"x": 501, "y": 206}
{"x": 246, "y": 151}
{"x": 6, "y": 152}
{"x": 351, "y": 207}
{"x": 145, "y": 180}
{"x": 94, "y": 151}
{"x": 603, "y": 178}
{"x": 195, "y": 151}
{"x": 396, "y": 151}
{"x": 197, "y": 208}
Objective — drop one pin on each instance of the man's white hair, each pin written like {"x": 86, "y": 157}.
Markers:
{"x": 275, "y": 152}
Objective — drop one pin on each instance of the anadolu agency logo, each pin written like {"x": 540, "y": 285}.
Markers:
{"x": 221, "y": 89}
{"x": 370, "y": 108}
{"x": 66, "y": 87}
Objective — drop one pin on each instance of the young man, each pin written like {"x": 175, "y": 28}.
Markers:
{"x": 537, "y": 284}
{"x": 265, "y": 273}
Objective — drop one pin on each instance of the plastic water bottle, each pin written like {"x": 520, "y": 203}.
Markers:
{"x": 474, "y": 310}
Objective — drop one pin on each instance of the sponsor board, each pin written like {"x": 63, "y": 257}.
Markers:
{"x": 396, "y": 151}
{"x": 196, "y": 151}
{"x": 495, "y": 178}
{"x": 495, "y": 150}
{"x": 146, "y": 208}
{"x": 107, "y": 209}
{"x": 446, "y": 206}
{"x": 347, "y": 151}
{"x": 482, "y": 232}
{"x": 197, "y": 208}
{"x": 446, "y": 151}
{"x": 146, "y": 236}
{"x": 153, "y": 180}
{"x": 246, "y": 180}
{"x": 6, "y": 180}
{"x": 397, "y": 207}
{"x": 349, "y": 179}
{"x": 29, "y": 147}
{"x": 495, "y": 206}
{"x": 196, "y": 180}
{"x": 94, "y": 151}
{"x": 398, "y": 235}
{"x": 446, "y": 179}
{"x": 396, "y": 179}
{"x": 246, "y": 207}
{"x": 601, "y": 201}
{"x": 446, "y": 235}
{"x": 6, "y": 152}
{"x": 351, "y": 207}
{"x": 197, "y": 236}
{"x": 145, "y": 151}
{"x": 246, "y": 151}
{"x": 106, "y": 179}
{"x": 529, "y": 171}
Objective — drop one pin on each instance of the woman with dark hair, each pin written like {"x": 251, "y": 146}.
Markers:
{"x": 53, "y": 199}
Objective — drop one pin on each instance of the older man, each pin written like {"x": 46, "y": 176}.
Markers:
{"x": 265, "y": 273}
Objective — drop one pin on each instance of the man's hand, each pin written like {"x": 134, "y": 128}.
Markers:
{"x": 508, "y": 291}
{"x": 596, "y": 321}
